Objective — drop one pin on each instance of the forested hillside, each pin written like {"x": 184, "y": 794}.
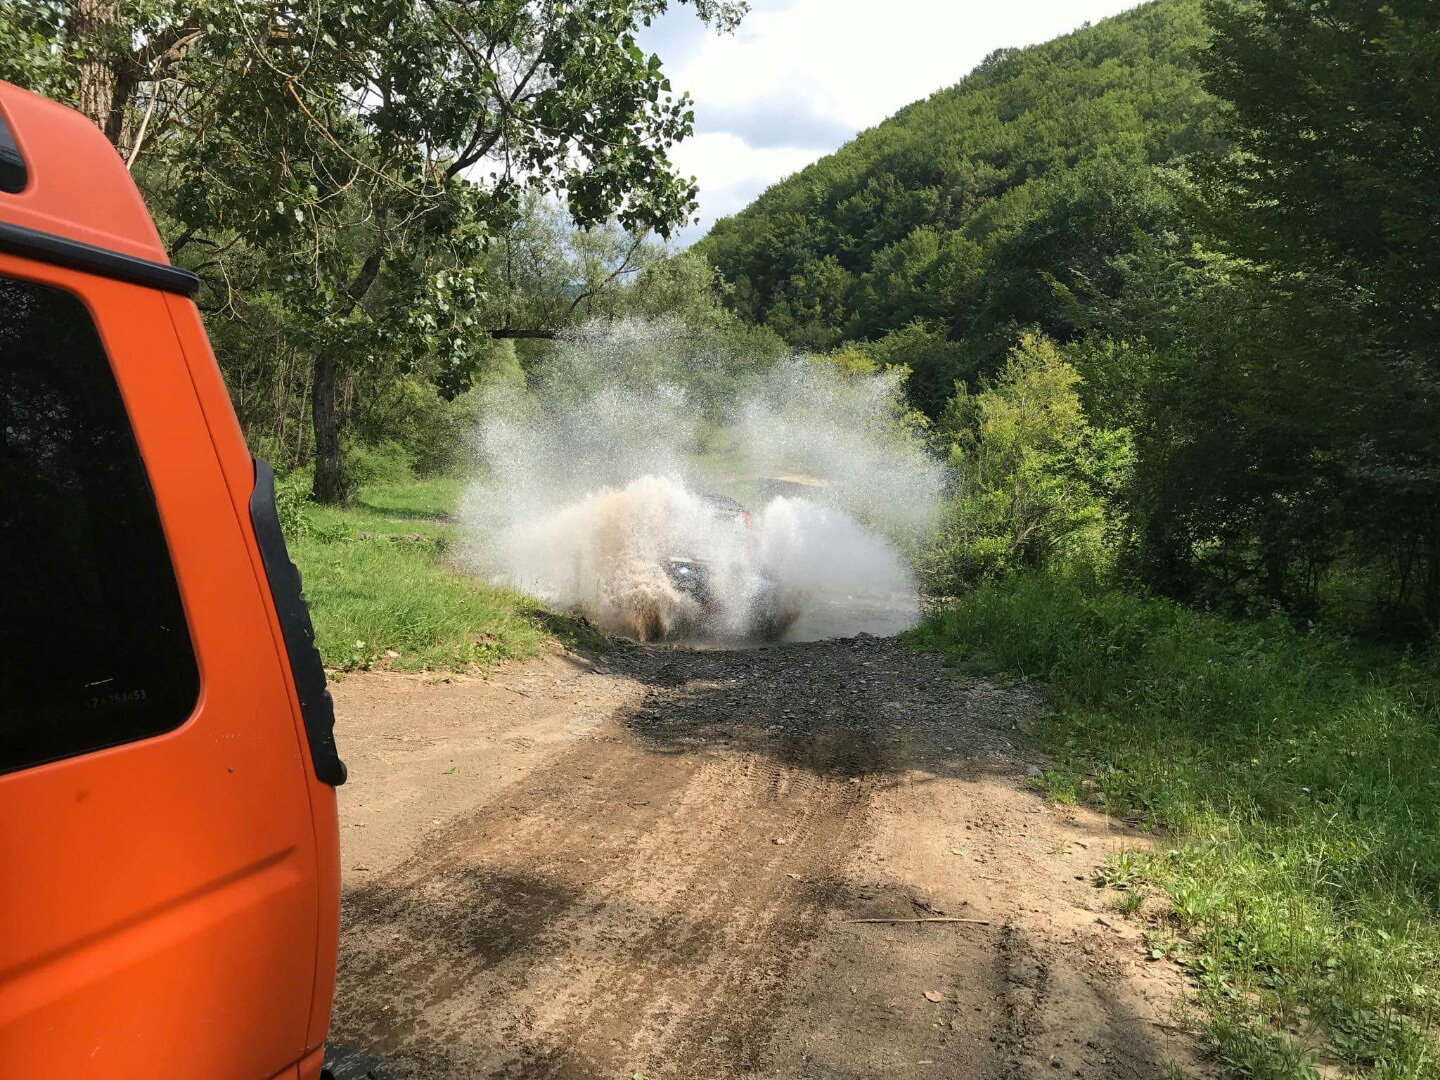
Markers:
{"x": 944, "y": 231}
{"x": 1214, "y": 265}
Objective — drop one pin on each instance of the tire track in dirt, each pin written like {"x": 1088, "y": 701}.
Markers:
{"x": 672, "y": 893}
{"x": 606, "y": 928}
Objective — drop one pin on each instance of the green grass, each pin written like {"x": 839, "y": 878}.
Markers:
{"x": 423, "y": 506}
{"x": 1297, "y": 782}
{"x": 379, "y": 580}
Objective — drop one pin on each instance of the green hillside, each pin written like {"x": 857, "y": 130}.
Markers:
{"x": 958, "y": 210}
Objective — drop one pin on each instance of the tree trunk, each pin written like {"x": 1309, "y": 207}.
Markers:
{"x": 106, "y": 83}
{"x": 1432, "y": 584}
{"x": 329, "y": 485}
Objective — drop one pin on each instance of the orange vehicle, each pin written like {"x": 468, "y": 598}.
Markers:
{"x": 169, "y": 849}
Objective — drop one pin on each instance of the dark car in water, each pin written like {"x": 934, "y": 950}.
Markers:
{"x": 731, "y": 597}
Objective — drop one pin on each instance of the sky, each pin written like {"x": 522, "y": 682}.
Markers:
{"x": 801, "y": 77}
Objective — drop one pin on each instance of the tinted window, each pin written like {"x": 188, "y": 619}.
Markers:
{"x": 94, "y": 649}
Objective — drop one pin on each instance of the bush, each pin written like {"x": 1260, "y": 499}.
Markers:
{"x": 1032, "y": 474}
{"x": 383, "y": 463}
{"x": 432, "y": 430}
{"x": 292, "y": 503}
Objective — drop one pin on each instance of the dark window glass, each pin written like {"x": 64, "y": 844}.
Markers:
{"x": 94, "y": 650}
{"x": 13, "y": 177}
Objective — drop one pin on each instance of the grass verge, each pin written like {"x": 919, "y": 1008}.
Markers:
{"x": 383, "y": 591}
{"x": 1297, "y": 779}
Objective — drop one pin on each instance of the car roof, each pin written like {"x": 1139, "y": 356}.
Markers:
{"x": 77, "y": 186}
{"x": 724, "y": 502}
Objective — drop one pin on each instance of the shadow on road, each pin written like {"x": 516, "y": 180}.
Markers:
{"x": 727, "y": 881}
{"x": 861, "y": 707}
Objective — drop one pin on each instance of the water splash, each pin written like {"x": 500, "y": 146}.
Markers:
{"x": 598, "y": 484}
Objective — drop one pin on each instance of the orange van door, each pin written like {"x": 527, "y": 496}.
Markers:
{"x": 158, "y": 889}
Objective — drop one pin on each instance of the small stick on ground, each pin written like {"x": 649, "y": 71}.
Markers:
{"x": 933, "y": 918}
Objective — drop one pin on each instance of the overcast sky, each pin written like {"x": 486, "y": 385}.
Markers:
{"x": 801, "y": 77}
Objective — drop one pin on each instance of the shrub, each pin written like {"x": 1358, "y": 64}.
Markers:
{"x": 432, "y": 429}
{"x": 1032, "y": 473}
{"x": 383, "y": 463}
{"x": 292, "y": 503}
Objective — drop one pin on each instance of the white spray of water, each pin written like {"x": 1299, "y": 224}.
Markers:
{"x": 598, "y": 492}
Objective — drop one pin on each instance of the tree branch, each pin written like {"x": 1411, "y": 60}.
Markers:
{"x": 623, "y": 268}
{"x": 507, "y": 332}
{"x": 165, "y": 46}
{"x": 363, "y": 280}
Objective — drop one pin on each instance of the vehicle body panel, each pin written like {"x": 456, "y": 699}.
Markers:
{"x": 74, "y": 190}
{"x": 239, "y": 469}
{"x": 170, "y": 905}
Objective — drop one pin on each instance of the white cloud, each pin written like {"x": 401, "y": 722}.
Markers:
{"x": 731, "y": 173}
{"x": 801, "y": 77}
{"x": 794, "y": 114}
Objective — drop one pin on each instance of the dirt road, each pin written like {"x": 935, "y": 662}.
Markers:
{"x": 669, "y": 865}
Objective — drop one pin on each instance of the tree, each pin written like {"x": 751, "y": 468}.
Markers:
{"x": 1334, "y": 114}
{"x": 1333, "y": 194}
{"x": 1032, "y": 471}
{"x": 1231, "y": 500}
{"x": 964, "y": 209}
{"x": 934, "y": 362}
{"x": 543, "y": 273}
{"x": 355, "y": 160}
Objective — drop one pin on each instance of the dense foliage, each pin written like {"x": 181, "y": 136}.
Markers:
{"x": 341, "y": 175}
{"x": 1031, "y": 472}
{"x": 948, "y": 226}
{"x": 1223, "y": 214}
{"x": 1332, "y": 198}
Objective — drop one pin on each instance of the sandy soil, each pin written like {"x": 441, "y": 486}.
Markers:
{"x": 662, "y": 865}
